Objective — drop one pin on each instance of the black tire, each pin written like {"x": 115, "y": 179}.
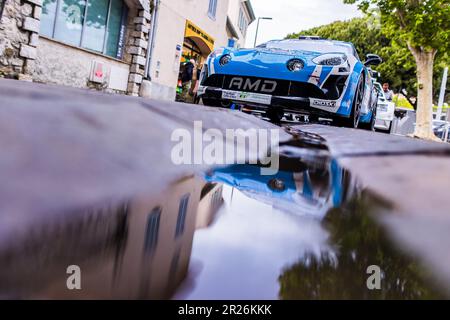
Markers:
{"x": 355, "y": 115}
{"x": 275, "y": 115}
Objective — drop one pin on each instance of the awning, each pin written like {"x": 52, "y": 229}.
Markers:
{"x": 202, "y": 39}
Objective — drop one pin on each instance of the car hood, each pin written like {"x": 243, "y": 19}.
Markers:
{"x": 266, "y": 63}
{"x": 272, "y": 55}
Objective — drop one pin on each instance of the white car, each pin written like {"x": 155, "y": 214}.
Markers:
{"x": 385, "y": 111}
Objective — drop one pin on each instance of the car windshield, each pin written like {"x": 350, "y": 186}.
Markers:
{"x": 321, "y": 46}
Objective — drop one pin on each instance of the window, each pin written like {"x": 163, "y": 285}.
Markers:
{"x": 152, "y": 230}
{"x": 182, "y": 211}
{"x": 97, "y": 25}
{"x": 242, "y": 23}
{"x": 212, "y": 8}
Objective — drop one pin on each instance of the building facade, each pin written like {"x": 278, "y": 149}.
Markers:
{"x": 184, "y": 30}
{"x": 135, "y": 47}
{"x": 140, "y": 249}
{"x": 100, "y": 44}
{"x": 240, "y": 16}
{"x": 188, "y": 29}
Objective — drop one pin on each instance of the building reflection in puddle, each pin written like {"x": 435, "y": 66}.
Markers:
{"x": 139, "y": 249}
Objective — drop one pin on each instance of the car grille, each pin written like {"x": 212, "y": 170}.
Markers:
{"x": 283, "y": 87}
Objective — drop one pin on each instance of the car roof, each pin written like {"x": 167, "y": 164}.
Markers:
{"x": 315, "y": 40}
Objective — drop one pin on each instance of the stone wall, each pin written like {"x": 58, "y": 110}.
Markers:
{"x": 138, "y": 46}
{"x": 58, "y": 63}
{"x": 19, "y": 27}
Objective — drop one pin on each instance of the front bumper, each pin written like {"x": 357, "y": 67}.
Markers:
{"x": 265, "y": 101}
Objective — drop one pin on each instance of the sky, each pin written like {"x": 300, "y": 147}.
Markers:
{"x": 295, "y": 15}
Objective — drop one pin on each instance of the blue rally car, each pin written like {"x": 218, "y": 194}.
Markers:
{"x": 309, "y": 76}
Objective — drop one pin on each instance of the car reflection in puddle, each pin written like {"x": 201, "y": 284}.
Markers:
{"x": 266, "y": 223}
{"x": 306, "y": 233}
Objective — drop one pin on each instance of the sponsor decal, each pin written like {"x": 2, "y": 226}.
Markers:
{"x": 247, "y": 96}
{"x": 265, "y": 86}
{"x": 323, "y": 103}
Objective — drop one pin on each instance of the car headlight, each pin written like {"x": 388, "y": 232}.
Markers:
{"x": 295, "y": 65}
{"x": 225, "y": 59}
{"x": 330, "y": 59}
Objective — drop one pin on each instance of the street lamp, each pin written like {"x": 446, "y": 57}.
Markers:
{"x": 257, "y": 27}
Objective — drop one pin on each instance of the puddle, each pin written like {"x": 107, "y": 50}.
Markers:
{"x": 306, "y": 233}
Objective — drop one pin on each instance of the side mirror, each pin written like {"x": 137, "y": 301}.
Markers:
{"x": 373, "y": 60}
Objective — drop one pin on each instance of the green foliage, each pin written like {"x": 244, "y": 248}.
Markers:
{"x": 398, "y": 68}
{"x": 401, "y": 102}
{"x": 420, "y": 23}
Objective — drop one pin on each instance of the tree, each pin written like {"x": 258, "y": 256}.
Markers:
{"x": 398, "y": 67}
{"x": 424, "y": 26}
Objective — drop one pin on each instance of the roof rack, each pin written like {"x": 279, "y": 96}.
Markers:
{"x": 310, "y": 38}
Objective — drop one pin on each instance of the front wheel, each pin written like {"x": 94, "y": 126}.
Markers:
{"x": 355, "y": 115}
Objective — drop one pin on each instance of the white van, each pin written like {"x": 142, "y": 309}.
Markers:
{"x": 385, "y": 111}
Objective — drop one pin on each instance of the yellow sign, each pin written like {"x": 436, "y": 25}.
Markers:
{"x": 193, "y": 31}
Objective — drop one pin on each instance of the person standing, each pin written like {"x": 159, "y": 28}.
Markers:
{"x": 388, "y": 93}
{"x": 186, "y": 79}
